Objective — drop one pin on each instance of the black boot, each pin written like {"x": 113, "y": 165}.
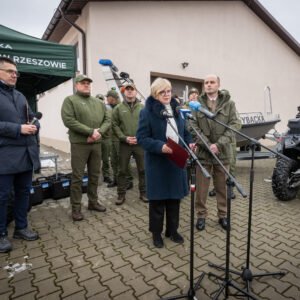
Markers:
{"x": 5, "y": 244}
{"x": 157, "y": 240}
{"x": 175, "y": 237}
{"x": 107, "y": 179}
{"x": 112, "y": 184}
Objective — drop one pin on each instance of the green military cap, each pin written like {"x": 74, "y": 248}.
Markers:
{"x": 112, "y": 93}
{"x": 193, "y": 90}
{"x": 82, "y": 77}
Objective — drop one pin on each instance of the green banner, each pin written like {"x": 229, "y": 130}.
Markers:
{"x": 33, "y": 55}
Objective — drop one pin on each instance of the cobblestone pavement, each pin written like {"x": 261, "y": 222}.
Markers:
{"x": 110, "y": 255}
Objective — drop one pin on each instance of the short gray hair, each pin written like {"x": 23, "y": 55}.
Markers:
{"x": 158, "y": 85}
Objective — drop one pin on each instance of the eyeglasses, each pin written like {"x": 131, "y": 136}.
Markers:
{"x": 11, "y": 72}
{"x": 165, "y": 92}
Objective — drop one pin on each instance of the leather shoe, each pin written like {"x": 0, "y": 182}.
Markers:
{"x": 129, "y": 185}
{"x": 175, "y": 237}
{"x": 200, "y": 225}
{"x": 143, "y": 197}
{"x": 77, "y": 215}
{"x": 107, "y": 180}
{"x": 5, "y": 244}
{"x": 212, "y": 193}
{"x": 121, "y": 199}
{"x": 157, "y": 240}
{"x": 112, "y": 184}
{"x": 25, "y": 234}
{"x": 96, "y": 206}
{"x": 223, "y": 223}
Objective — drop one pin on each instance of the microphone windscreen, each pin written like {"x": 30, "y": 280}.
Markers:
{"x": 194, "y": 105}
{"x": 105, "y": 62}
{"x": 38, "y": 115}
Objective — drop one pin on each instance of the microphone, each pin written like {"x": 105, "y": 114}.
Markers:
{"x": 196, "y": 106}
{"x": 185, "y": 113}
{"x": 108, "y": 63}
{"x": 105, "y": 62}
{"x": 37, "y": 117}
{"x": 164, "y": 113}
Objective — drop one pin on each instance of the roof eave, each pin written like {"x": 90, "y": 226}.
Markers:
{"x": 53, "y": 34}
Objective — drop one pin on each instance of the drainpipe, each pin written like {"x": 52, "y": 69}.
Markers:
{"x": 83, "y": 39}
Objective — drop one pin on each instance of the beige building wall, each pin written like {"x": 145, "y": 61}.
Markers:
{"x": 53, "y": 132}
{"x": 224, "y": 37}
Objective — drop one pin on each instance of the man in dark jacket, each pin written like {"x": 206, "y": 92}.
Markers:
{"x": 219, "y": 140}
{"x": 87, "y": 119}
{"x": 18, "y": 154}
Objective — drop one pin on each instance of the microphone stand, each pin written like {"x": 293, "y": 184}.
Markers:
{"x": 246, "y": 273}
{"x": 230, "y": 183}
{"x": 191, "y": 294}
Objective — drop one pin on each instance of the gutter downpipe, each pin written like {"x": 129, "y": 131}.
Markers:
{"x": 83, "y": 39}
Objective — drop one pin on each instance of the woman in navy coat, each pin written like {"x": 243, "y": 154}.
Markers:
{"x": 166, "y": 183}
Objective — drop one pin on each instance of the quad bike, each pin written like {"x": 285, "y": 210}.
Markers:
{"x": 286, "y": 174}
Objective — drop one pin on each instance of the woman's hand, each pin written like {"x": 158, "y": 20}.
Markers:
{"x": 166, "y": 149}
{"x": 193, "y": 146}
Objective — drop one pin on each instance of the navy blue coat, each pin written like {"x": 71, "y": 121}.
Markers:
{"x": 164, "y": 180}
{"x": 18, "y": 152}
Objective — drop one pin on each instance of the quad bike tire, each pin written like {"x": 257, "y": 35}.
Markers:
{"x": 281, "y": 174}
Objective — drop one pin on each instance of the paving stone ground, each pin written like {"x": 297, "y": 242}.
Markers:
{"x": 110, "y": 255}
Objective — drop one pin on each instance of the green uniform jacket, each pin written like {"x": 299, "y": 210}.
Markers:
{"x": 81, "y": 115}
{"x": 215, "y": 133}
{"x": 109, "y": 135}
{"x": 125, "y": 119}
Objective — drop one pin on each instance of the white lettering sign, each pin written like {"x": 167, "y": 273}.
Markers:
{"x": 252, "y": 118}
{"x": 39, "y": 62}
{"x": 5, "y": 46}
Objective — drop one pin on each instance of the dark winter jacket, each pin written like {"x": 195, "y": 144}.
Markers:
{"x": 164, "y": 180}
{"x": 18, "y": 152}
{"x": 215, "y": 133}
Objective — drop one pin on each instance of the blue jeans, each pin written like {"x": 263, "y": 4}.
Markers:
{"x": 21, "y": 183}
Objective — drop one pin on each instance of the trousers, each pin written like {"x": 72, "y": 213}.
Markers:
{"x": 126, "y": 151}
{"x": 157, "y": 210}
{"x": 202, "y": 186}
{"x": 106, "y": 146}
{"x": 115, "y": 162}
{"x": 84, "y": 155}
{"x": 21, "y": 183}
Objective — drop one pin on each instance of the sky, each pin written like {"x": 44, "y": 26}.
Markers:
{"x": 33, "y": 16}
